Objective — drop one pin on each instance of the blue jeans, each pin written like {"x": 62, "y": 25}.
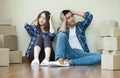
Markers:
{"x": 77, "y": 56}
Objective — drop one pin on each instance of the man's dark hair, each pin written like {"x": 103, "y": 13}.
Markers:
{"x": 65, "y": 11}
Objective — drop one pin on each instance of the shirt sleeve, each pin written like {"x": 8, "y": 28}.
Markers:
{"x": 52, "y": 35}
{"x": 87, "y": 20}
{"x": 30, "y": 29}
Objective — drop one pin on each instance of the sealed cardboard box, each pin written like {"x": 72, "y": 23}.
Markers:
{"x": 8, "y": 30}
{"x": 109, "y": 74}
{"x": 106, "y": 26}
{"x": 110, "y": 62}
{"x": 104, "y": 32}
{"x": 5, "y": 22}
{"x": 9, "y": 41}
{"x": 114, "y": 32}
{"x": 15, "y": 57}
{"x": 109, "y": 23}
{"x": 111, "y": 52}
{"x": 111, "y": 43}
{"x": 4, "y": 57}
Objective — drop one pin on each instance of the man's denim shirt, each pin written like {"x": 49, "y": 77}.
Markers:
{"x": 80, "y": 30}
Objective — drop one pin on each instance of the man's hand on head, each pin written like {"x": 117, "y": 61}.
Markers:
{"x": 62, "y": 17}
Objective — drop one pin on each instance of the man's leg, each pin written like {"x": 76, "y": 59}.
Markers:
{"x": 87, "y": 59}
{"x": 79, "y": 57}
{"x": 61, "y": 47}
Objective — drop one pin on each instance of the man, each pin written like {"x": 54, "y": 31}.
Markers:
{"x": 71, "y": 46}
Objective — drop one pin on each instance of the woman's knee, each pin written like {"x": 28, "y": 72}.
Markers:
{"x": 39, "y": 38}
{"x": 39, "y": 41}
{"x": 47, "y": 39}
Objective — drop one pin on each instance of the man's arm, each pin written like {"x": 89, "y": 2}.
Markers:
{"x": 63, "y": 26}
{"x": 77, "y": 13}
{"x": 87, "y": 18}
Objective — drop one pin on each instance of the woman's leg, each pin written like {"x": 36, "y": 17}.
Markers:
{"x": 47, "y": 46}
{"x": 37, "y": 48}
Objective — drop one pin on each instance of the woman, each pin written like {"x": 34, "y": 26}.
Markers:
{"x": 40, "y": 48}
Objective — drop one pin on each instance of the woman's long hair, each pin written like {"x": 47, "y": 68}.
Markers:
{"x": 47, "y": 24}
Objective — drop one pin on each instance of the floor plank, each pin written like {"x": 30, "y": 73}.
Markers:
{"x": 26, "y": 71}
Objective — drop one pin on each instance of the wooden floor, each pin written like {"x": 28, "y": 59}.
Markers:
{"x": 26, "y": 71}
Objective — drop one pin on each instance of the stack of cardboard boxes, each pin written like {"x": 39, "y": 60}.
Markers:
{"x": 8, "y": 44}
{"x": 109, "y": 43}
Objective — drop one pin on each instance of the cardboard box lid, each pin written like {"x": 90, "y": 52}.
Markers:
{"x": 5, "y": 22}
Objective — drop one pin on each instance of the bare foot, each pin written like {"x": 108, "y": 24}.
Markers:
{"x": 61, "y": 60}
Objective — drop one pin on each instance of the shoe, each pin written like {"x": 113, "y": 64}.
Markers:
{"x": 58, "y": 64}
{"x": 35, "y": 62}
{"x": 44, "y": 62}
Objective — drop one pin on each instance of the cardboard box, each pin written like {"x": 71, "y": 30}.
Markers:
{"x": 111, "y": 43}
{"x": 110, "y": 62}
{"x": 109, "y": 74}
{"x": 5, "y": 22}
{"x": 110, "y": 52}
{"x": 114, "y": 32}
{"x": 104, "y": 32}
{"x": 9, "y": 41}
{"x": 100, "y": 45}
{"x": 106, "y": 26}
{"x": 109, "y": 23}
{"x": 4, "y": 57}
{"x": 8, "y": 30}
{"x": 15, "y": 57}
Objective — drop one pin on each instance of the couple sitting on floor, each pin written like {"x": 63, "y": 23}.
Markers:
{"x": 71, "y": 44}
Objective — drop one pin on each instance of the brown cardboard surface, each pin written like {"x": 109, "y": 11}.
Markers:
{"x": 4, "y": 57}
{"x": 110, "y": 62}
{"x": 8, "y": 30}
{"x": 15, "y": 57}
{"x": 9, "y": 41}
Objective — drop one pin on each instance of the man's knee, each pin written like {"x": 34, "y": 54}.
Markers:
{"x": 62, "y": 34}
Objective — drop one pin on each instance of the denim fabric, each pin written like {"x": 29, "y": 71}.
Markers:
{"x": 81, "y": 26}
{"x": 77, "y": 57}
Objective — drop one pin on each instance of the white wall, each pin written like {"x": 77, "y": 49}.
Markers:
{"x": 21, "y": 11}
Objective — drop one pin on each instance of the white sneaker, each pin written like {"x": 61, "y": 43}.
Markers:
{"x": 57, "y": 63}
{"x": 44, "y": 62}
{"x": 35, "y": 62}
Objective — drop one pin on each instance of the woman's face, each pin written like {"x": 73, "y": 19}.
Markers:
{"x": 42, "y": 19}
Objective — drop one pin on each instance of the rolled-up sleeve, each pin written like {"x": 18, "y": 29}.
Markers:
{"x": 29, "y": 29}
{"x": 52, "y": 35}
{"x": 87, "y": 20}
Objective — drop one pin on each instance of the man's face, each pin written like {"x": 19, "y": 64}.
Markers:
{"x": 70, "y": 19}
